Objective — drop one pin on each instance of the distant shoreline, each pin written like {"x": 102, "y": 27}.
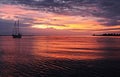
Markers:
{"x": 107, "y": 34}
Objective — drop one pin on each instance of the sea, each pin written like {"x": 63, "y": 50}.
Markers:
{"x": 60, "y": 56}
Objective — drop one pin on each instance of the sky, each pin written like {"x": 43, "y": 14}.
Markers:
{"x": 60, "y": 17}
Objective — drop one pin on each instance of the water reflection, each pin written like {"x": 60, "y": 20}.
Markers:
{"x": 78, "y": 48}
{"x": 54, "y": 56}
{"x": 14, "y": 53}
{"x": 110, "y": 46}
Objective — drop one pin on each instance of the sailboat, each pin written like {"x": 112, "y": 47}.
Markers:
{"x": 16, "y": 31}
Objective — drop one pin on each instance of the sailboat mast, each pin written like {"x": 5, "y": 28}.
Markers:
{"x": 15, "y": 28}
{"x": 18, "y": 27}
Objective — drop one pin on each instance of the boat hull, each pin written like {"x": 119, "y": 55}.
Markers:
{"x": 17, "y": 36}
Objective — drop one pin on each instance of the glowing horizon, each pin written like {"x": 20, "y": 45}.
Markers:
{"x": 46, "y": 18}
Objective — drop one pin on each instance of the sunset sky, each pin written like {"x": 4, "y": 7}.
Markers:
{"x": 60, "y": 17}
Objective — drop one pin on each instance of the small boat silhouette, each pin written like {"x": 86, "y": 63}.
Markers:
{"x": 16, "y": 31}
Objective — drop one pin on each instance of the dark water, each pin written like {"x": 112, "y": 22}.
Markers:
{"x": 59, "y": 56}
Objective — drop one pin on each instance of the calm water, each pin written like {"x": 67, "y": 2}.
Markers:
{"x": 59, "y": 56}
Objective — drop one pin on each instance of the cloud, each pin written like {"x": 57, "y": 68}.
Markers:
{"x": 67, "y": 7}
{"x": 106, "y": 12}
{"x": 105, "y": 9}
{"x": 52, "y": 24}
{"x": 109, "y": 11}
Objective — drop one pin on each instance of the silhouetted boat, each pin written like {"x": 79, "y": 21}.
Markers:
{"x": 16, "y": 31}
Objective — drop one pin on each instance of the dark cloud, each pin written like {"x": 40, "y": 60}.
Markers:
{"x": 111, "y": 29}
{"x": 110, "y": 11}
{"x": 106, "y": 29}
{"x": 112, "y": 22}
{"x": 67, "y": 7}
{"x": 107, "y": 10}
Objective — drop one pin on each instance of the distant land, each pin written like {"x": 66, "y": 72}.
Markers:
{"x": 107, "y": 34}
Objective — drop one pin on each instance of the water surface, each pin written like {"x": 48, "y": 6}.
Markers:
{"x": 60, "y": 56}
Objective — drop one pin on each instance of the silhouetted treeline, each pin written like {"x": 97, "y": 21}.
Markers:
{"x": 108, "y": 34}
